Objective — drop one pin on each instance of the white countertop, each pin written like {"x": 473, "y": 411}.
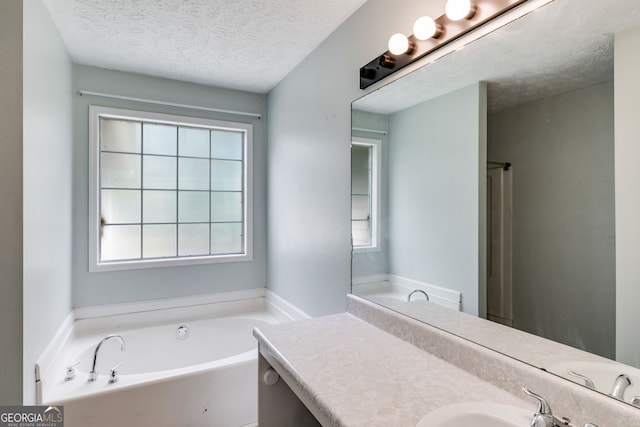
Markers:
{"x": 358, "y": 375}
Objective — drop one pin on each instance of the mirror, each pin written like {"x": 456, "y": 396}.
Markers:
{"x": 488, "y": 180}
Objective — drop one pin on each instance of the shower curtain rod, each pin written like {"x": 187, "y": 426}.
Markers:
{"x": 383, "y": 132}
{"x": 503, "y": 165}
{"x": 170, "y": 104}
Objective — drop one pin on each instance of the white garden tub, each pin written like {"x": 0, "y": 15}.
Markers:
{"x": 208, "y": 378}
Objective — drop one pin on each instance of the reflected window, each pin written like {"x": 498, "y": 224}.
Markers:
{"x": 365, "y": 193}
{"x": 167, "y": 190}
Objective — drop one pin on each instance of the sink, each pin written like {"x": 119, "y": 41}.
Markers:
{"x": 477, "y": 414}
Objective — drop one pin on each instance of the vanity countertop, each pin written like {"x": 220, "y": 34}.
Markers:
{"x": 358, "y": 375}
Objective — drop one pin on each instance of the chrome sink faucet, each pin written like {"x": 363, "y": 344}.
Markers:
{"x": 93, "y": 375}
{"x": 543, "y": 416}
{"x": 587, "y": 380}
{"x": 619, "y": 386}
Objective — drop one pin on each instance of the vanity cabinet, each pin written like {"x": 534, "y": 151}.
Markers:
{"x": 278, "y": 405}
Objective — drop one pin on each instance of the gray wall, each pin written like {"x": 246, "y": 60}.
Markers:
{"x": 309, "y": 158}
{"x": 435, "y": 174}
{"x": 11, "y": 207}
{"x": 372, "y": 262}
{"x": 627, "y": 153}
{"x": 134, "y": 285}
{"x": 561, "y": 149}
{"x": 47, "y": 148}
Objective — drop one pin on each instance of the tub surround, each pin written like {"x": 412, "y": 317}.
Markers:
{"x": 206, "y": 378}
{"x": 382, "y": 287}
{"x": 98, "y": 319}
{"x": 86, "y": 326}
{"x": 374, "y": 367}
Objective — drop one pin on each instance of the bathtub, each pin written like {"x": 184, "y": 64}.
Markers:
{"x": 190, "y": 366}
{"x": 392, "y": 291}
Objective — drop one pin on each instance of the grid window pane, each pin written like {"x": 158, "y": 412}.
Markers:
{"x": 159, "y": 172}
{"x": 193, "y": 206}
{"x": 120, "y": 206}
{"x": 226, "y": 175}
{"x": 360, "y": 208}
{"x": 193, "y": 142}
{"x": 120, "y": 170}
{"x": 159, "y": 241}
{"x": 193, "y": 174}
{"x": 360, "y": 233}
{"x": 159, "y": 139}
{"x": 360, "y": 169}
{"x": 120, "y": 242}
{"x": 226, "y": 238}
{"x": 167, "y": 187}
{"x": 159, "y": 206}
{"x": 120, "y": 135}
{"x": 226, "y": 207}
{"x": 193, "y": 239}
{"x": 227, "y": 144}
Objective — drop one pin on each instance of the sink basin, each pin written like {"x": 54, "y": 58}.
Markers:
{"x": 477, "y": 414}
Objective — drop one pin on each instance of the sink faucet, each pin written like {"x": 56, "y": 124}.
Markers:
{"x": 543, "y": 416}
{"x": 587, "y": 380}
{"x": 619, "y": 386}
{"x": 93, "y": 375}
{"x": 418, "y": 291}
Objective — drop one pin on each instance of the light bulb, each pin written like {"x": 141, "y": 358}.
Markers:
{"x": 425, "y": 28}
{"x": 398, "y": 44}
{"x": 460, "y": 9}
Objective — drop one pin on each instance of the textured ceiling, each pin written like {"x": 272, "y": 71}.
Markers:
{"x": 564, "y": 46}
{"x": 240, "y": 44}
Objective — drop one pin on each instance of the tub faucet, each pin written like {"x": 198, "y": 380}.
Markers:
{"x": 93, "y": 375}
{"x": 418, "y": 291}
{"x": 619, "y": 386}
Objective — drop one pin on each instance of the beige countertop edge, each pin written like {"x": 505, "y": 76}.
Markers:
{"x": 293, "y": 379}
{"x": 417, "y": 397}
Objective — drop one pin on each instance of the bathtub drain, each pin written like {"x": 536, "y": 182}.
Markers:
{"x": 182, "y": 332}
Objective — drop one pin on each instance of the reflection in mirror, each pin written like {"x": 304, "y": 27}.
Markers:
{"x": 499, "y": 187}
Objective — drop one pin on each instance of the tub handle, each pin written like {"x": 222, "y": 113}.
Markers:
{"x": 70, "y": 371}
{"x": 113, "y": 374}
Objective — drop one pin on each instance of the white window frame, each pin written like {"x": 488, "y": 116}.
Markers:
{"x": 376, "y": 192}
{"x": 95, "y": 265}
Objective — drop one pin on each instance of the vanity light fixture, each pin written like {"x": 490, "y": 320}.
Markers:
{"x": 429, "y": 34}
{"x": 457, "y": 10}
{"x": 399, "y": 44}
{"x": 425, "y": 28}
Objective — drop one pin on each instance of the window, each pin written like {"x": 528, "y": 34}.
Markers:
{"x": 365, "y": 193}
{"x": 167, "y": 190}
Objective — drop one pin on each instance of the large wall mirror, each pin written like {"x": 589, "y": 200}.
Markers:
{"x": 488, "y": 181}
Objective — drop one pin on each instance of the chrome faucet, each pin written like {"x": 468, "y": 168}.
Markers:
{"x": 587, "y": 380}
{"x": 418, "y": 291}
{"x": 93, "y": 375}
{"x": 543, "y": 416}
{"x": 619, "y": 386}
